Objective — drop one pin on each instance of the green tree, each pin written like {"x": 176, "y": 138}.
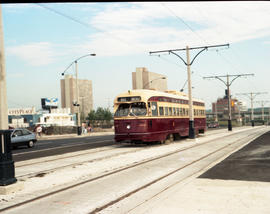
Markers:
{"x": 92, "y": 116}
{"x": 101, "y": 116}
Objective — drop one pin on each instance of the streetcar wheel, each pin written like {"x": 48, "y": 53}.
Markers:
{"x": 162, "y": 141}
{"x": 171, "y": 137}
{"x": 30, "y": 144}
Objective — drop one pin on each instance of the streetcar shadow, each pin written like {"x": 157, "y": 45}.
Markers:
{"x": 140, "y": 144}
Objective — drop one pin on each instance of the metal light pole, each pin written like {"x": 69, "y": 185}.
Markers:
{"x": 190, "y": 101}
{"x": 252, "y": 97}
{"x": 3, "y": 89}
{"x": 228, "y": 84}
{"x": 7, "y": 169}
{"x": 76, "y": 103}
{"x": 152, "y": 81}
{"x": 188, "y": 64}
{"x": 229, "y": 105}
{"x": 262, "y": 102}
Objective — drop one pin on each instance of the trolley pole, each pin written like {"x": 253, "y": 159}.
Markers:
{"x": 228, "y": 84}
{"x": 252, "y": 96}
{"x": 188, "y": 64}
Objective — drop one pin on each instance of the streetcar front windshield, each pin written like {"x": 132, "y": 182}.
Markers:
{"x": 123, "y": 110}
{"x": 132, "y": 109}
{"x": 138, "y": 109}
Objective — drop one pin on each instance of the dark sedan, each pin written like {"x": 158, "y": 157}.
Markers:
{"x": 23, "y": 137}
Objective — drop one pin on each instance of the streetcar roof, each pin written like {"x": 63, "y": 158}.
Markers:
{"x": 145, "y": 94}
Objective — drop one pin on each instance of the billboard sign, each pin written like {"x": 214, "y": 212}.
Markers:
{"x": 47, "y": 103}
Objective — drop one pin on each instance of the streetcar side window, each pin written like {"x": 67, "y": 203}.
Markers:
{"x": 170, "y": 111}
{"x": 154, "y": 108}
{"x": 174, "y": 111}
{"x": 161, "y": 111}
{"x": 166, "y": 111}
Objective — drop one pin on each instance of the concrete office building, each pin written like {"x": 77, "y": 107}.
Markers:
{"x": 143, "y": 79}
{"x": 68, "y": 95}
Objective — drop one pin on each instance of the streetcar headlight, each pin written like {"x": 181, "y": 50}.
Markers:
{"x": 128, "y": 126}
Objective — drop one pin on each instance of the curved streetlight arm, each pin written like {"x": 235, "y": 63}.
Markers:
{"x": 192, "y": 59}
{"x": 234, "y": 79}
{"x": 75, "y": 61}
{"x": 221, "y": 80}
{"x": 84, "y": 56}
{"x": 198, "y": 55}
{"x": 178, "y": 56}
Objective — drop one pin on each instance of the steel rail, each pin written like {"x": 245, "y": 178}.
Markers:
{"x": 167, "y": 175}
{"x": 120, "y": 170}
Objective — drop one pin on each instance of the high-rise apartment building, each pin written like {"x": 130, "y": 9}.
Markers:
{"x": 143, "y": 79}
{"x": 68, "y": 95}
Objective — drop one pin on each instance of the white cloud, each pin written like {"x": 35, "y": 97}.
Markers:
{"x": 35, "y": 54}
{"x": 129, "y": 29}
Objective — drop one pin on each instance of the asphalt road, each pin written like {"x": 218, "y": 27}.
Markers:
{"x": 251, "y": 163}
{"x": 44, "y": 148}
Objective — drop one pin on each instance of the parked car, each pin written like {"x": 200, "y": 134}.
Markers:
{"x": 213, "y": 125}
{"x": 23, "y": 137}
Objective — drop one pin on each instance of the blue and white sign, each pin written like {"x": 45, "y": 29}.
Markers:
{"x": 53, "y": 102}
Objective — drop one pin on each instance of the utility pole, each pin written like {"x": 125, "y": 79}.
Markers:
{"x": 262, "y": 102}
{"x": 7, "y": 169}
{"x": 3, "y": 88}
{"x": 228, "y": 84}
{"x": 239, "y": 114}
{"x": 252, "y": 96}
{"x": 77, "y": 100}
{"x": 188, "y": 64}
{"x": 216, "y": 113}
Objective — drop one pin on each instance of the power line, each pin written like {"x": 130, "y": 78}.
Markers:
{"x": 191, "y": 29}
{"x": 92, "y": 27}
{"x": 179, "y": 18}
{"x": 85, "y": 24}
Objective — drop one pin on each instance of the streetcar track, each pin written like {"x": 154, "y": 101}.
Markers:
{"x": 123, "y": 169}
{"x": 165, "y": 176}
{"x": 191, "y": 175}
{"x": 80, "y": 163}
{"x": 33, "y": 174}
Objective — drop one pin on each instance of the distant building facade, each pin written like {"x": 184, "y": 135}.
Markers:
{"x": 57, "y": 117}
{"x": 68, "y": 95}
{"x": 143, "y": 79}
{"x": 29, "y": 117}
{"x": 22, "y": 117}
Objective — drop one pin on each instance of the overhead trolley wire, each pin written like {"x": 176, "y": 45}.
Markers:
{"x": 92, "y": 27}
{"x": 86, "y": 25}
{"x": 197, "y": 34}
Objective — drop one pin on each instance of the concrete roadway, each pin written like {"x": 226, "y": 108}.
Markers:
{"x": 50, "y": 147}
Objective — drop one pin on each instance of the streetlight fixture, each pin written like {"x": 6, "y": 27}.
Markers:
{"x": 152, "y": 81}
{"x": 76, "y": 103}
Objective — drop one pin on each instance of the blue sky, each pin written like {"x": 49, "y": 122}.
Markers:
{"x": 41, "y": 40}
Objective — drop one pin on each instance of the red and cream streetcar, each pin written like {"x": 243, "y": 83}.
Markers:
{"x": 149, "y": 115}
